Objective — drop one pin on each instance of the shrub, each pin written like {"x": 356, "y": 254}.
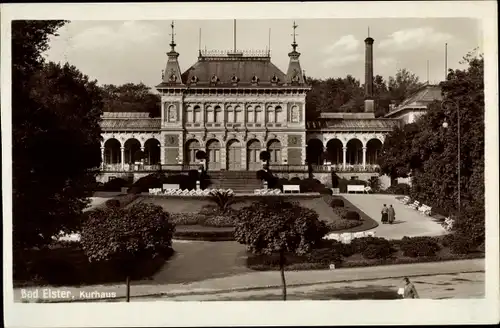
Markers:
{"x": 127, "y": 236}
{"x": 342, "y": 224}
{"x": 112, "y": 203}
{"x": 399, "y": 189}
{"x": 115, "y": 185}
{"x": 352, "y": 215}
{"x": 326, "y": 256}
{"x": 461, "y": 244}
{"x": 200, "y": 155}
{"x": 336, "y": 202}
{"x": 344, "y": 249}
{"x": 360, "y": 244}
{"x": 279, "y": 227}
{"x": 264, "y": 156}
{"x": 154, "y": 180}
{"x": 378, "y": 251}
{"x": 419, "y": 246}
{"x": 223, "y": 199}
{"x": 209, "y": 210}
{"x": 340, "y": 211}
{"x": 206, "y": 235}
{"x": 187, "y": 218}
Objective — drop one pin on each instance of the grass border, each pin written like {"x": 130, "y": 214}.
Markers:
{"x": 367, "y": 222}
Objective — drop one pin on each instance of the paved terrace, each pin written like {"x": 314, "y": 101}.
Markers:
{"x": 408, "y": 222}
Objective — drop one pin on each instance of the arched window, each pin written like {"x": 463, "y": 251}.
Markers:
{"x": 238, "y": 114}
{"x": 210, "y": 114}
{"x": 218, "y": 115}
{"x": 270, "y": 115}
{"x": 274, "y": 149}
{"x": 230, "y": 114}
{"x": 197, "y": 114}
{"x": 250, "y": 114}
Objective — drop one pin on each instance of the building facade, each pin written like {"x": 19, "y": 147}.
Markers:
{"x": 233, "y": 105}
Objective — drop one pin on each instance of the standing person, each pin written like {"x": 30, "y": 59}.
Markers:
{"x": 391, "y": 214}
{"x": 409, "y": 289}
{"x": 384, "y": 214}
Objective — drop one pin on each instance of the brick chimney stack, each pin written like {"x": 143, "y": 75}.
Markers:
{"x": 369, "y": 102}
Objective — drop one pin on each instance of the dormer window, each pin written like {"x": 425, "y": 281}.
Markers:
{"x": 172, "y": 78}
{"x": 234, "y": 79}
{"x": 274, "y": 79}
{"x": 214, "y": 79}
{"x": 194, "y": 79}
{"x": 255, "y": 79}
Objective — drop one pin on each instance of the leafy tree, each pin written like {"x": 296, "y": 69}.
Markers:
{"x": 131, "y": 97}
{"x": 56, "y": 138}
{"x": 430, "y": 151}
{"x": 281, "y": 227}
{"x": 396, "y": 156}
{"x": 127, "y": 237}
{"x": 402, "y": 85}
{"x": 333, "y": 95}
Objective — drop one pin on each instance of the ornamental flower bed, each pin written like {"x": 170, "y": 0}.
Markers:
{"x": 186, "y": 192}
{"x": 347, "y": 237}
{"x": 267, "y": 191}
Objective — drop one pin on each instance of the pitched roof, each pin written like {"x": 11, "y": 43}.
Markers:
{"x": 114, "y": 124}
{"x": 420, "y": 98}
{"x": 377, "y": 124}
{"x": 244, "y": 68}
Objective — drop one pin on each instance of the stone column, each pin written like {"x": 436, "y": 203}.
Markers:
{"x": 122, "y": 149}
{"x": 102, "y": 158}
{"x": 364, "y": 158}
{"x": 344, "y": 153}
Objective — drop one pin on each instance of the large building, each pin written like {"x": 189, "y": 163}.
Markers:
{"x": 233, "y": 105}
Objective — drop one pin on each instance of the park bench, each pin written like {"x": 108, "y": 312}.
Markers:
{"x": 168, "y": 186}
{"x": 335, "y": 191}
{"x": 425, "y": 210}
{"x": 368, "y": 189}
{"x": 415, "y": 205}
{"x": 355, "y": 188}
{"x": 291, "y": 188}
{"x": 405, "y": 200}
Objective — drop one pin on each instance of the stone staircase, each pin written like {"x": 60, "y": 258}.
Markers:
{"x": 238, "y": 181}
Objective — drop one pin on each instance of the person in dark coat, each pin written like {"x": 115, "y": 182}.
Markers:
{"x": 391, "y": 214}
{"x": 409, "y": 289}
{"x": 384, "y": 212}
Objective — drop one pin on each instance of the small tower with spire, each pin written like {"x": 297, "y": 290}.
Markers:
{"x": 172, "y": 72}
{"x": 294, "y": 74}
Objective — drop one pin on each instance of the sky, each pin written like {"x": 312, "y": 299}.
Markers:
{"x": 118, "y": 52}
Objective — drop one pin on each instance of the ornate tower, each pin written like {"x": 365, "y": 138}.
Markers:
{"x": 172, "y": 73}
{"x": 294, "y": 74}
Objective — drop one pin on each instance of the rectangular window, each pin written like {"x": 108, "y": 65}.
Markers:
{"x": 239, "y": 116}
{"x": 250, "y": 116}
{"x": 197, "y": 115}
{"x": 259, "y": 116}
{"x": 270, "y": 116}
{"x": 190, "y": 116}
{"x": 210, "y": 116}
{"x": 218, "y": 116}
{"x": 230, "y": 116}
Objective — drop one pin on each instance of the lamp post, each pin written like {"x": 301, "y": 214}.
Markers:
{"x": 447, "y": 105}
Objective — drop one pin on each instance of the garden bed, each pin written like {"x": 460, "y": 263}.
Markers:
{"x": 64, "y": 263}
{"x": 322, "y": 257}
{"x": 198, "y": 232}
{"x": 365, "y": 223}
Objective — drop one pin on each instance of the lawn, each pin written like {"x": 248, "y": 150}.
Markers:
{"x": 194, "y": 205}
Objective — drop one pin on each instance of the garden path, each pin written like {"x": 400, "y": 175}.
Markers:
{"x": 408, "y": 222}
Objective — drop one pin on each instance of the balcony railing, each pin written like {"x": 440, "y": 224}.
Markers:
{"x": 356, "y": 168}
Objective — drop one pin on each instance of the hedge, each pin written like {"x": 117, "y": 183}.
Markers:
{"x": 66, "y": 264}
{"x": 419, "y": 246}
{"x": 336, "y": 202}
{"x": 187, "y": 218}
{"x": 208, "y": 235}
{"x": 342, "y": 224}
